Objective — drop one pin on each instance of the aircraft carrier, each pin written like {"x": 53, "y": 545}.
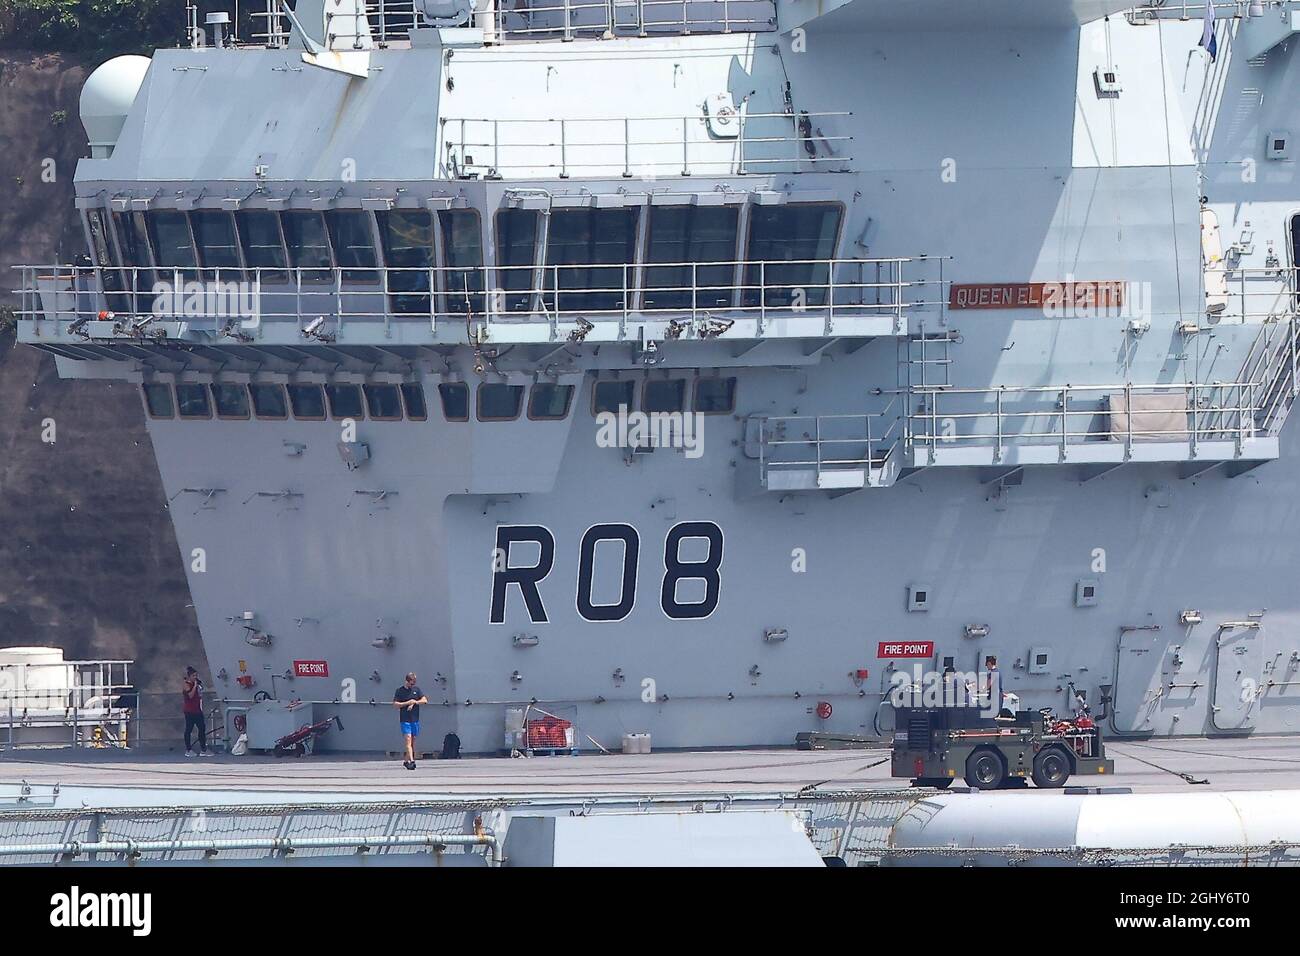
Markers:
{"x": 692, "y": 372}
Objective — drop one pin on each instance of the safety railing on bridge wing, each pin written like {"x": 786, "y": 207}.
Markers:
{"x": 386, "y": 21}
{"x": 684, "y": 294}
{"x": 1072, "y": 415}
{"x": 733, "y": 142}
{"x": 829, "y": 445}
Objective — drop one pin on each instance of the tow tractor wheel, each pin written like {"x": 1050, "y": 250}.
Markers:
{"x": 984, "y": 770}
{"x": 939, "y": 783}
{"x": 1051, "y": 768}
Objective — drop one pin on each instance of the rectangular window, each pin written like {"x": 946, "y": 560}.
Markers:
{"x": 308, "y": 245}
{"x": 549, "y": 402}
{"x": 214, "y": 234}
{"x": 307, "y": 402}
{"x": 268, "y": 401}
{"x": 686, "y": 237}
{"x": 715, "y": 395}
{"x": 259, "y": 235}
{"x": 595, "y": 249}
{"x": 407, "y": 237}
{"x": 516, "y": 242}
{"x": 192, "y": 400}
{"x": 103, "y": 255}
{"x": 462, "y": 250}
{"x": 345, "y": 401}
{"x": 354, "y": 246}
{"x": 173, "y": 245}
{"x": 133, "y": 240}
{"x": 413, "y": 401}
{"x": 795, "y": 243}
{"x": 610, "y": 396}
{"x": 231, "y": 400}
{"x": 383, "y": 403}
{"x": 158, "y": 400}
{"x": 663, "y": 395}
{"x": 455, "y": 401}
{"x": 498, "y": 402}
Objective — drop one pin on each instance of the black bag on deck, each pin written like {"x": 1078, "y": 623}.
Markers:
{"x": 451, "y": 747}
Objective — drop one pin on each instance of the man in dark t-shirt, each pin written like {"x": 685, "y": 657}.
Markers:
{"x": 407, "y": 699}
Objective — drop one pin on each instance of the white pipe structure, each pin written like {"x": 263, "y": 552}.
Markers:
{"x": 357, "y": 842}
{"x": 996, "y": 829}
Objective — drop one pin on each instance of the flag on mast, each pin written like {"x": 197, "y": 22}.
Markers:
{"x": 1208, "y": 40}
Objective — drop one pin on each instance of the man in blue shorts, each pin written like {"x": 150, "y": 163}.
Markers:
{"x": 407, "y": 699}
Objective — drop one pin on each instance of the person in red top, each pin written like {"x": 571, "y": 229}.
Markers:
{"x": 192, "y": 707}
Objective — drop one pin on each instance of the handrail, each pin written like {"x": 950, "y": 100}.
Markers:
{"x": 389, "y": 21}
{"x": 632, "y": 145}
{"x": 524, "y": 293}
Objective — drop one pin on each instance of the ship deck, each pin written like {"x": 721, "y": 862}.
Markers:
{"x": 117, "y": 778}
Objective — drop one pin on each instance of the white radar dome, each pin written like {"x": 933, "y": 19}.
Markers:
{"x": 106, "y": 99}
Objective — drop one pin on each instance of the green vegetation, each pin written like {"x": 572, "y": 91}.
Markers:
{"x": 94, "y": 28}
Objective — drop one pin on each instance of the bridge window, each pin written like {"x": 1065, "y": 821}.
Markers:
{"x": 786, "y": 239}
{"x": 609, "y": 396}
{"x": 679, "y": 236}
{"x": 516, "y": 248}
{"x": 263, "y": 245}
{"x": 345, "y": 401}
{"x": 498, "y": 402}
{"x": 664, "y": 395}
{"x": 231, "y": 400}
{"x": 133, "y": 242}
{"x": 383, "y": 403}
{"x": 104, "y": 255}
{"x": 214, "y": 234}
{"x": 172, "y": 243}
{"x": 462, "y": 252}
{"x": 268, "y": 401}
{"x": 192, "y": 400}
{"x": 407, "y": 237}
{"x": 591, "y": 247}
{"x": 158, "y": 400}
{"x": 307, "y": 402}
{"x": 715, "y": 395}
{"x": 354, "y": 245}
{"x": 413, "y": 401}
{"x": 455, "y": 401}
{"x": 548, "y": 402}
{"x": 308, "y": 245}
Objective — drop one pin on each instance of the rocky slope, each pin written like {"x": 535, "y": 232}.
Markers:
{"x": 88, "y": 559}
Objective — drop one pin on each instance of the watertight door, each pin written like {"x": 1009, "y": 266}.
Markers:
{"x": 1238, "y": 675}
{"x": 1140, "y": 683}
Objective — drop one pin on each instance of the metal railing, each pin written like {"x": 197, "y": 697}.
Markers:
{"x": 826, "y": 444}
{"x": 1262, "y": 294}
{"x": 602, "y": 19}
{"x": 93, "y": 709}
{"x": 1192, "y": 10}
{"x": 686, "y": 291}
{"x": 387, "y": 21}
{"x": 1073, "y": 414}
{"x": 642, "y": 146}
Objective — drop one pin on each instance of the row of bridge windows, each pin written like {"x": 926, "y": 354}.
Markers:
{"x": 494, "y": 401}
{"x": 571, "y": 259}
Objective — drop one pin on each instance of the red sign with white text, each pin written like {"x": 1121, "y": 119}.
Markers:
{"x": 906, "y": 649}
{"x": 312, "y": 668}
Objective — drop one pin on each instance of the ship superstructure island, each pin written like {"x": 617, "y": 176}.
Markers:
{"x": 693, "y": 368}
